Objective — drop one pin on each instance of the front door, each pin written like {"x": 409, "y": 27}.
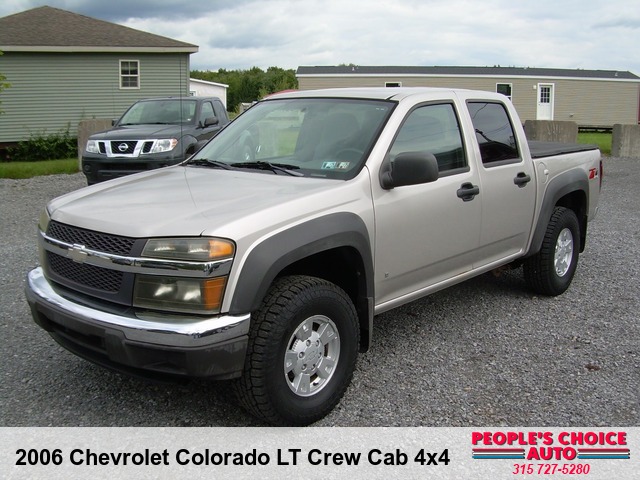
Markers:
{"x": 426, "y": 234}
{"x": 545, "y": 101}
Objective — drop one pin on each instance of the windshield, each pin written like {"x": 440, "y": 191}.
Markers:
{"x": 317, "y": 137}
{"x": 160, "y": 112}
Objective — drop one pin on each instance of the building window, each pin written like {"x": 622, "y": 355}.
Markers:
{"x": 504, "y": 89}
{"x": 545, "y": 94}
{"x": 129, "y": 74}
{"x": 392, "y": 84}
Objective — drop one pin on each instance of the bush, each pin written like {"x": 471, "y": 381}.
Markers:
{"x": 45, "y": 147}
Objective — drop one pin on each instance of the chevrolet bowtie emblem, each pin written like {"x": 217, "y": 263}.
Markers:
{"x": 77, "y": 253}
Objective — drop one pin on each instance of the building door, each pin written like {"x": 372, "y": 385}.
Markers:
{"x": 545, "y": 101}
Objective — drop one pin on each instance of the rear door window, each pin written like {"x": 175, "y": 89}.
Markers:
{"x": 494, "y": 133}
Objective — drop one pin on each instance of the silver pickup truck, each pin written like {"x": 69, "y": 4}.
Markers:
{"x": 269, "y": 269}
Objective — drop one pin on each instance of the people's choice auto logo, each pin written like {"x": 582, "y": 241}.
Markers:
{"x": 545, "y": 453}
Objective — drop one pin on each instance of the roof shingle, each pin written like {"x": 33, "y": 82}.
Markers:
{"x": 458, "y": 71}
{"x": 48, "y": 28}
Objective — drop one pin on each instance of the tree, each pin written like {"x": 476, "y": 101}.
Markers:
{"x": 246, "y": 86}
{"x": 3, "y": 84}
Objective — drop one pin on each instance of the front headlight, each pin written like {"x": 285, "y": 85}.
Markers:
{"x": 199, "y": 249}
{"x": 164, "y": 145}
{"x": 92, "y": 146}
{"x": 43, "y": 221}
{"x": 183, "y": 294}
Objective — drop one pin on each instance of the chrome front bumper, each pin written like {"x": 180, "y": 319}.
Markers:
{"x": 139, "y": 342}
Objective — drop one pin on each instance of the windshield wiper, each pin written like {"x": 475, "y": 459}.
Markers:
{"x": 273, "y": 167}
{"x": 203, "y": 162}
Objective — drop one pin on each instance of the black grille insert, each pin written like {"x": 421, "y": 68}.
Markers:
{"x": 101, "y": 242}
{"x": 87, "y": 275}
{"x": 125, "y": 147}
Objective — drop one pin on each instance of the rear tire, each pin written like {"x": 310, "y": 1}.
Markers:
{"x": 303, "y": 346}
{"x": 551, "y": 270}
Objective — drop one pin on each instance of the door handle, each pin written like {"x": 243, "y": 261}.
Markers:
{"x": 468, "y": 191}
{"x": 522, "y": 179}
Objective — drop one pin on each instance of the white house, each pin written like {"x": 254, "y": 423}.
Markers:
{"x": 202, "y": 88}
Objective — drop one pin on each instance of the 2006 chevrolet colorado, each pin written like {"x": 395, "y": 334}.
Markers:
{"x": 271, "y": 271}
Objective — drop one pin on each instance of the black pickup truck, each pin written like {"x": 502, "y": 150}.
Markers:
{"x": 152, "y": 133}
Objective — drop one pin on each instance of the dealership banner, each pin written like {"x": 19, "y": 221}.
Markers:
{"x": 319, "y": 452}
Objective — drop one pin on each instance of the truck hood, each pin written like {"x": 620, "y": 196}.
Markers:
{"x": 137, "y": 132}
{"x": 191, "y": 201}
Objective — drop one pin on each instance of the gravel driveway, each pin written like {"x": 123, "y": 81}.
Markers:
{"x": 485, "y": 353}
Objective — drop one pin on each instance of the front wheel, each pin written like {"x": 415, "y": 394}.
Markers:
{"x": 551, "y": 270}
{"x": 302, "y": 351}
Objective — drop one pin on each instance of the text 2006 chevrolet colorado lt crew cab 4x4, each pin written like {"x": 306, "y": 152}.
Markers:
{"x": 271, "y": 271}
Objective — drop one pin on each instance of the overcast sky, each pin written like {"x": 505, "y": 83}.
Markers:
{"x": 239, "y": 34}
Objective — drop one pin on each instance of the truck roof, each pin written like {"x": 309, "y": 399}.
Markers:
{"x": 155, "y": 99}
{"x": 377, "y": 93}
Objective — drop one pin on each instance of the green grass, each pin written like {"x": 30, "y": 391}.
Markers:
{"x": 603, "y": 140}
{"x": 70, "y": 165}
{"x": 36, "y": 169}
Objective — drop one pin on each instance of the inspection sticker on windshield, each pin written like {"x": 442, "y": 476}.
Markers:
{"x": 335, "y": 165}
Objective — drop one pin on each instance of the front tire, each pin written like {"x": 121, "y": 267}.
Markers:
{"x": 302, "y": 351}
{"x": 551, "y": 270}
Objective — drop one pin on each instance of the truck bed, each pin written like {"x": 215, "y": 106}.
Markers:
{"x": 549, "y": 149}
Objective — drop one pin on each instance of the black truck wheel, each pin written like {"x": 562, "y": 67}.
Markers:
{"x": 551, "y": 270}
{"x": 302, "y": 352}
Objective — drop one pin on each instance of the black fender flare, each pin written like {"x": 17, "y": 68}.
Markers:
{"x": 266, "y": 260}
{"x": 562, "y": 185}
{"x": 187, "y": 142}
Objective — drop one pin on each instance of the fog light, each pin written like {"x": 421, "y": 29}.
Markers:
{"x": 177, "y": 294}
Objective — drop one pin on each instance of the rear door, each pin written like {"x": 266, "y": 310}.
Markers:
{"x": 506, "y": 182}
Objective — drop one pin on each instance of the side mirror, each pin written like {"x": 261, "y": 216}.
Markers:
{"x": 114, "y": 121}
{"x": 409, "y": 168}
{"x": 210, "y": 121}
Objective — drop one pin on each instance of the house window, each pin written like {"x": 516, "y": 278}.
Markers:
{"x": 129, "y": 74}
{"x": 504, "y": 89}
{"x": 392, "y": 84}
